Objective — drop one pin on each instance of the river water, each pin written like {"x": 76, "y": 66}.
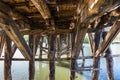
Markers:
{"x": 20, "y": 68}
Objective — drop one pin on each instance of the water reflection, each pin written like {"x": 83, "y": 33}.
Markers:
{"x": 20, "y": 68}
{"x": 20, "y": 71}
{"x": 61, "y": 73}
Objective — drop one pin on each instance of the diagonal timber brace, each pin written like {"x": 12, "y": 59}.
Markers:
{"x": 17, "y": 38}
{"x": 79, "y": 38}
{"x": 2, "y": 41}
{"x": 109, "y": 38}
{"x": 10, "y": 28}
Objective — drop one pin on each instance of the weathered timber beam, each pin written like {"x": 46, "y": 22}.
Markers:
{"x": 57, "y": 31}
{"x": 17, "y": 38}
{"x": 44, "y": 11}
{"x": 14, "y": 47}
{"x": 42, "y": 8}
{"x": 79, "y": 37}
{"x": 51, "y": 56}
{"x": 19, "y": 41}
{"x": 2, "y": 41}
{"x": 10, "y": 28}
{"x": 7, "y": 60}
{"x": 77, "y": 46}
{"x": 93, "y": 17}
{"x": 13, "y": 13}
{"x": 33, "y": 42}
{"x": 72, "y": 67}
{"x": 95, "y": 6}
{"x": 36, "y": 43}
{"x": 109, "y": 38}
{"x": 40, "y": 44}
{"x": 32, "y": 61}
{"x": 57, "y": 59}
{"x": 91, "y": 42}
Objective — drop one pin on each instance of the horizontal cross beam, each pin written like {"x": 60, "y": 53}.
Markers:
{"x": 42, "y": 8}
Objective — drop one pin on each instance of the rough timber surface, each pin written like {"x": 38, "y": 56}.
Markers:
{"x": 64, "y": 24}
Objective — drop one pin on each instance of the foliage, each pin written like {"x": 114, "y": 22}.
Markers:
{"x": 86, "y": 40}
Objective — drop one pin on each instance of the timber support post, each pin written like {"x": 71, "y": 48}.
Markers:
{"x": 72, "y": 61}
{"x": 96, "y": 60}
{"x": 68, "y": 45}
{"x": 7, "y": 60}
{"x": 40, "y": 44}
{"x": 109, "y": 64}
{"x": 57, "y": 45}
{"x": 51, "y": 56}
{"x": 83, "y": 60}
{"x": 72, "y": 67}
{"x": 32, "y": 61}
{"x": 96, "y": 64}
{"x": 2, "y": 41}
{"x": 76, "y": 47}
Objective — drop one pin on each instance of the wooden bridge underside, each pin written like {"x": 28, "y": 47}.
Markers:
{"x": 57, "y": 20}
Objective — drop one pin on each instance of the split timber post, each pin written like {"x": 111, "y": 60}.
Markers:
{"x": 104, "y": 46}
{"x": 40, "y": 44}
{"x": 96, "y": 64}
{"x": 91, "y": 41}
{"x": 58, "y": 46}
{"x": 96, "y": 60}
{"x": 115, "y": 29}
{"x": 14, "y": 48}
{"x": 32, "y": 61}
{"x": 72, "y": 67}
{"x": 7, "y": 60}
{"x": 36, "y": 43}
{"x": 51, "y": 56}
{"x": 83, "y": 60}
{"x": 68, "y": 44}
{"x": 109, "y": 64}
{"x": 72, "y": 61}
{"x": 76, "y": 47}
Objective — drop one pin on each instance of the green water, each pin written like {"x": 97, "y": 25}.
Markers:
{"x": 20, "y": 68}
{"x": 20, "y": 71}
{"x": 61, "y": 73}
